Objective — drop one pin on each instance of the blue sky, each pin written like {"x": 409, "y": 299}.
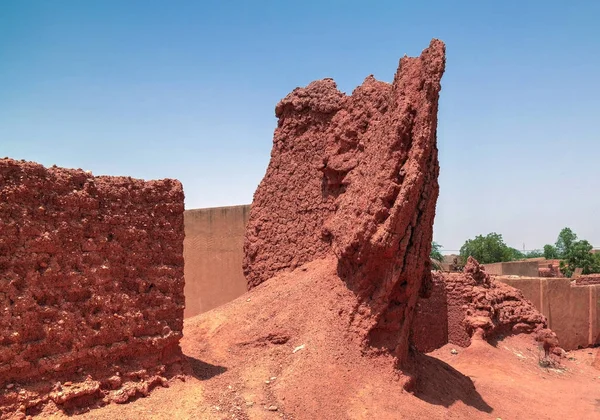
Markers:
{"x": 187, "y": 89}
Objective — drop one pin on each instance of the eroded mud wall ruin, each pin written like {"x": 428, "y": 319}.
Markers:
{"x": 355, "y": 178}
{"x": 91, "y": 281}
{"x": 571, "y": 310}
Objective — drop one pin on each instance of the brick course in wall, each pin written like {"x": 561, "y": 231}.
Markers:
{"x": 91, "y": 285}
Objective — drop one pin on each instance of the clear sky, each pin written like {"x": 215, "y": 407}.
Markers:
{"x": 187, "y": 89}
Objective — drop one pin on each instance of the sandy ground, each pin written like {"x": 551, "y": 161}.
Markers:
{"x": 284, "y": 350}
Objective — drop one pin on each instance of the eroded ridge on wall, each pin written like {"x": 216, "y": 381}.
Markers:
{"x": 355, "y": 177}
{"x": 91, "y": 285}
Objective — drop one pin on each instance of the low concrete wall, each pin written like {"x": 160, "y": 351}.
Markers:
{"x": 513, "y": 268}
{"x": 572, "y": 310}
{"x": 213, "y": 255}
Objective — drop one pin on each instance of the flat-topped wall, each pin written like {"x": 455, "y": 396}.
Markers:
{"x": 514, "y": 268}
{"x": 572, "y": 310}
{"x": 213, "y": 254}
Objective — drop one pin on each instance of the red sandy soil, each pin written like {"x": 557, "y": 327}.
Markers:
{"x": 243, "y": 366}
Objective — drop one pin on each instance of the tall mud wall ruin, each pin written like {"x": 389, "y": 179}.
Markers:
{"x": 91, "y": 285}
{"x": 355, "y": 177}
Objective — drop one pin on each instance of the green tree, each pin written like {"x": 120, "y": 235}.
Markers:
{"x": 566, "y": 238}
{"x": 515, "y": 254}
{"x": 550, "y": 252}
{"x": 579, "y": 255}
{"x": 436, "y": 256}
{"x": 488, "y": 249}
{"x": 534, "y": 253}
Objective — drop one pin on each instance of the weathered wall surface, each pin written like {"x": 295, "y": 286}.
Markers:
{"x": 588, "y": 279}
{"x": 354, "y": 177}
{"x": 572, "y": 310}
{"x": 91, "y": 282}
{"x": 430, "y": 325}
{"x": 471, "y": 303}
{"x": 213, "y": 256}
{"x": 513, "y": 268}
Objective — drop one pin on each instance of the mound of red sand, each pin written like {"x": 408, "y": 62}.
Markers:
{"x": 283, "y": 350}
{"x": 355, "y": 178}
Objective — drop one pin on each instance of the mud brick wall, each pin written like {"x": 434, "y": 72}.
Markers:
{"x": 430, "y": 324}
{"x": 91, "y": 274}
{"x": 588, "y": 279}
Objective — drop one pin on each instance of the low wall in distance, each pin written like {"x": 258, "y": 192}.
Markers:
{"x": 573, "y": 311}
{"x": 513, "y": 268}
{"x": 213, "y": 252}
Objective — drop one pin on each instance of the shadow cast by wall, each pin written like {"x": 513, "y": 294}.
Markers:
{"x": 439, "y": 383}
{"x": 202, "y": 370}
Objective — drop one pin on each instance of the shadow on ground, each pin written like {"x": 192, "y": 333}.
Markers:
{"x": 439, "y": 383}
{"x": 202, "y": 370}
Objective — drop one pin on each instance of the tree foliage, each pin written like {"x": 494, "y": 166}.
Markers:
{"x": 535, "y": 253}
{"x": 573, "y": 254}
{"x": 579, "y": 255}
{"x": 436, "y": 256}
{"x": 564, "y": 242}
{"x": 515, "y": 254}
{"x": 550, "y": 252}
{"x": 489, "y": 249}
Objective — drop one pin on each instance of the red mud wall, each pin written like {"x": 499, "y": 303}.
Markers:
{"x": 464, "y": 303}
{"x": 91, "y": 277}
{"x": 572, "y": 311}
{"x": 430, "y": 325}
{"x": 213, "y": 256}
{"x": 587, "y": 279}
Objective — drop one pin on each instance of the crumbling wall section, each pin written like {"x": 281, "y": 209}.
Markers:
{"x": 588, "y": 279}
{"x": 91, "y": 284}
{"x": 472, "y": 303}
